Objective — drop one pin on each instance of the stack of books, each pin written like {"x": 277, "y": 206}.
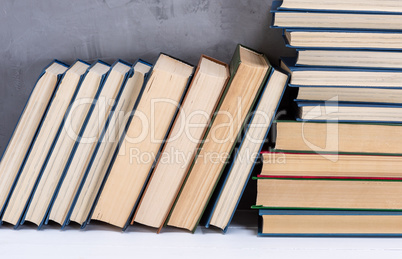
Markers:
{"x": 335, "y": 169}
{"x": 128, "y": 143}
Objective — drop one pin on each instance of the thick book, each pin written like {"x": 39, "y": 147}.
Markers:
{"x": 27, "y": 128}
{"x": 104, "y": 151}
{"x": 327, "y": 194}
{"x": 329, "y": 223}
{"x": 342, "y": 77}
{"x": 199, "y": 104}
{"x": 249, "y": 71}
{"x": 349, "y": 112}
{"x": 45, "y": 140}
{"x": 343, "y": 39}
{"x": 291, "y": 19}
{"x": 75, "y": 120}
{"x": 355, "y": 6}
{"x": 96, "y": 124}
{"x": 236, "y": 178}
{"x": 350, "y": 58}
{"x": 313, "y": 165}
{"x": 333, "y": 137}
{"x": 143, "y": 141}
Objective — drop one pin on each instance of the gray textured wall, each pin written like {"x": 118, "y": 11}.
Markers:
{"x": 35, "y": 32}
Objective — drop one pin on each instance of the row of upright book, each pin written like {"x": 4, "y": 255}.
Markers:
{"x": 335, "y": 170}
{"x": 139, "y": 143}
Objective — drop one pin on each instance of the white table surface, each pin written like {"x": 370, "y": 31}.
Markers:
{"x": 241, "y": 241}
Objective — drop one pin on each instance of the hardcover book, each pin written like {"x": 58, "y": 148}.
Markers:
{"x": 27, "y": 128}
{"x": 44, "y": 143}
{"x": 332, "y": 137}
{"x": 363, "y": 95}
{"x": 329, "y": 223}
{"x": 349, "y": 112}
{"x": 317, "y": 165}
{"x": 96, "y": 124}
{"x": 292, "y": 19}
{"x": 143, "y": 141}
{"x": 229, "y": 194}
{"x": 342, "y": 77}
{"x": 350, "y": 58}
{"x": 198, "y": 106}
{"x": 249, "y": 71}
{"x": 329, "y": 194}
{"x": 355, "y": 6}
{"x": 75, "y": 121}
{"x": 343, "y": 39}
{"x": 104, "y": 152}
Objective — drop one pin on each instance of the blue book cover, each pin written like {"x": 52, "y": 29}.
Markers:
{"x": 356, "y": 33}
{"x": 296, "y": 63}
{"x": 22, "y": 219}
{"x": 103, "y": 79}
{"x": 221, "y": 185}
{"x": 332, "y": 17}
{"x": 303, "y": 103}
{"x": 115, "y": 152}
{"x": 385, "y": 108}
{"x": 59, "y": 78}
{"x": 290, "y": 64}
{"x": 340, "y": 213}
{"x": 347, "y": 9}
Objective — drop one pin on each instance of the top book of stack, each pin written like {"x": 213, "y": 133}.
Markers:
{"x": 356, "y": 25}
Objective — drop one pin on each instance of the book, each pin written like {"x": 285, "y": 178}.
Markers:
{"x": 229, "y": 194}
{"x": 350, "y": 94}
{"x": 198, "y": 106}
{"x": 29, "y": 124}
{"x": 249, "y": 71}
{"x": 335, "y": 20}
{"x": 50, "y": 174}
{"x": 145, "y": 136}
{"x": 101, "y": 159}
{"x": 355, "y": 6}
{"x": 319, "y": 137}
{"x": 350, "y": 58}
{"x": 29, "y": 172}
{"x": 358, "y": 194}
{"x": 97, "y": 122}
{"x": 342, "y": 77}
{"x": 310, "y": 165}
{"x": 329, "y": 223}
{"x": 349, "y": 112}
{"x": 343, "y": 39}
